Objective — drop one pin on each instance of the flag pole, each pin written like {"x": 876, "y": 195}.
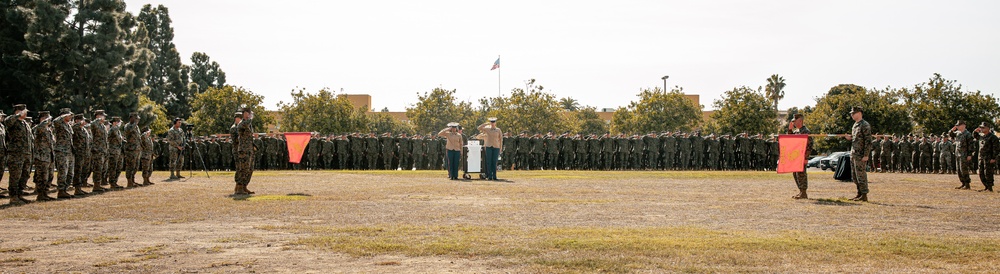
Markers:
{"x": 499, "y": 94}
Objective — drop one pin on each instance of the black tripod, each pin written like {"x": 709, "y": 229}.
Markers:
{"x": 191, "y": 145}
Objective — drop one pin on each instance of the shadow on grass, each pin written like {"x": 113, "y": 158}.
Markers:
{"x": 836, "y": 202}
{"x": 286, "y": 197}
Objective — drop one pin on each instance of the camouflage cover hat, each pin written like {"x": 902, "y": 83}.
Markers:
{"x": 43, "y": 114}
{"x": 797, "y": 116}
{"x": 133, "y": 115}
{"x": 985, "y": 125}
{"x": 959, "y": 123}
{"x": 20, "y": 107}
{"x": 247, "y": 109}
{"x": 64, "y": 111}
{"x": 116, "y": 119}
{"x": 78, "y": 116}
{"x": 856, "y": 109}
{"x": 98, "y": 112}
{"x": 238, "y": 114}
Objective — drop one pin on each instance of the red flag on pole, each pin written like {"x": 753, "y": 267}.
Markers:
{"x": 297, "y": 142}
{"x": 792, "y": 152}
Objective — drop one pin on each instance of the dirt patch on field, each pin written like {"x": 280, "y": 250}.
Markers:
{"x": 552, "y": 221}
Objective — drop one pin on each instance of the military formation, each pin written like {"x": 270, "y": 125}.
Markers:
{"x": 76, "y": 148}
{"x": 935, "y": 154}
{"x": 654, "y": 151}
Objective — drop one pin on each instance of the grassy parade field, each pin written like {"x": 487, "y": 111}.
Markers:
{"x": 541, "y": 221}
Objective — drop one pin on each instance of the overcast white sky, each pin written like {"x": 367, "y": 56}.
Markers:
{"x": 599, "y": 52}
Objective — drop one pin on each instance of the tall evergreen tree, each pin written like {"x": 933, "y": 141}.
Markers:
{"x": 167, "y": 79}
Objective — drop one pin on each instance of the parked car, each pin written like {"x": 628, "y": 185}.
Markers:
{"x": 836, "y": 161}
{"x": 829, "y": 161}
{"x": 814, "y": 161}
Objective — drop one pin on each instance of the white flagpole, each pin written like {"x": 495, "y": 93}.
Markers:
{"x": 498, "y": 77}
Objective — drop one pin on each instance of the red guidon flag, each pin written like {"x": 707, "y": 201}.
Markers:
{"x": 297, "y": 142}
{"x": 792, "y": 148}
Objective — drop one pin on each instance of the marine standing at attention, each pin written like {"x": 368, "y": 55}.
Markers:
{"x": 861, "y": 140}
{"x": 494, "y": 145}
{"x": 453, "y": 147}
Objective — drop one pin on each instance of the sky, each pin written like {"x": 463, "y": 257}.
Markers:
{"x": 601, "y": 53}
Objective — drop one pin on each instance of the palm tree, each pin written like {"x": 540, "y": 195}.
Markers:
{"x": 775, "y": 90}
{"x": 569, "y": 104}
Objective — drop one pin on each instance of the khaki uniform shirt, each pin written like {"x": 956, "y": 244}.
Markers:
{"x": 494, "y": 136}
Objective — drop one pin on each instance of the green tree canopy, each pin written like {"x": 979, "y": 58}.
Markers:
{"x": 882, "y": 109}
{"x": 323, "y": 112}
{"x": 586, "y": 121}
{"x": 168, "y": 77}
{"x": 533, "y": 111}
{"x": 936, "y": 104}
{"x": 744, "y": 109}
{"x": 382, "y": 122}
{"x": 656, "y": 111}
{"x": 435, "y": 109}
{"x": 214, "y": 109}
{"x": 153, "y": 115}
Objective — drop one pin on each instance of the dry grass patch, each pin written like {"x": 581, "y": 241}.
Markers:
{"x": 94, "y": 240}
{"x": 15, "y": 249}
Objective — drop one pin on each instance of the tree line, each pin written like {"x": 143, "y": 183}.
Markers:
{"x": 93, "y": 54}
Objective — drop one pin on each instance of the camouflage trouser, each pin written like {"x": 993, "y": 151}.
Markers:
{"x": 81, "y": 168}
{"x": 947, "y": 163}
{"x": 926, "y": 163}
{"x": 886, "y": 163}
{"x": 19, "y": 167}
{"x": 64, "y": 165}
{"x": 858, "y": 174}
{"x": 963, "y": 170}
{"x": 802, "y": 178}
{"x": 146, "y": 165}
{"x": 986, "y": 170}
{"x": 244, "y": 168}
{"x": 131, "y": 165}
{"x": 42, "y": 178}
{"x": 176, "y": 159}
{"x": 114, "y": 168}
{"x": 99, "y": 165}
{"x": 905, "y": 162}
{"x": 387, "y": 160}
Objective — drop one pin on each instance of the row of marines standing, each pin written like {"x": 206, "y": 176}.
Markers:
{"x": 76, "y": 148}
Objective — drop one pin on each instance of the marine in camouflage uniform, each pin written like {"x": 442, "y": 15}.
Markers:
{"x": 343, "y": 152}
{"x": 713, "y": 148}
{"x": 697, "y": 151}
{"x": 388, "y": 145}
{"x": 133, "y": 149}
{"x": 947, "y": 155}
{"x": 608, "y": 148}
{"x": 99, "y": 150}
{"x": 684, "y": 148}
{"x": 329, "y": 153}
{"x": 905, "y": 162}
{"x": 861, "y": 141}
{"x": 244, "y": 158}
{"x": 3, "y": 150}
{"x": 926, "y": 155}
{"x": 43, "y": 155}
{"x": 115, "y": 141}
{"x": 887, "y": 147}
{"x": 801, "y": 178}
{"x": 147, "y": 152}
{"x": 988, "y": 149}
{"x": 176, "y": 142}
{"x": 669, "y": 151}
{"x": 64, "y": 152}
{"x": 81, "y": 154}
{"x": 19, "y": 149}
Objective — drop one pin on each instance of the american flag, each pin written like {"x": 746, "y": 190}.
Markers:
{"x": 496, "y": 64}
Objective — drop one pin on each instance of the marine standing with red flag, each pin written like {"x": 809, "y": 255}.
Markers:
{"x": 796, "y": 126}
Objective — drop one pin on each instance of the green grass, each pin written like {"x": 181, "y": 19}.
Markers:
{"x": 633, "y": 249}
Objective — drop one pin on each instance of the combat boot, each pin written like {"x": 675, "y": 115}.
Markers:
{"x": 802, "y": 195}
{"x": 172, "y": 176}
{"x": 21, "y": 197}
{"x": 79, "y": 192}
{"x": 861, "y": 198}
{"x": 247, "y": 191}
{"x": 115, "y": 186}
{"x": 43, "y": 196}
{"x": 63, "y": 194}
{"x": 146, "y": 182}
{"x": 131, "y": 183}
{"x": 98, "y": 188}
{"x": 16, "y": 201}
{"x": 989, "y": 188}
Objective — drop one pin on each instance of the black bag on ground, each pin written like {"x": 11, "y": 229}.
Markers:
{"x": 843, "y": 169}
